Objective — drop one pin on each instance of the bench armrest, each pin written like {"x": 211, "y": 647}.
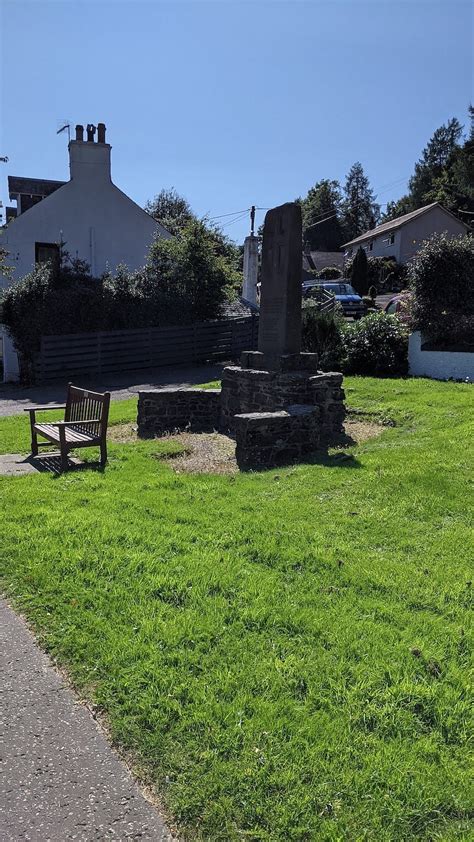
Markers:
{"x": 74, "y": 423}
{"x": 44, "y": 408}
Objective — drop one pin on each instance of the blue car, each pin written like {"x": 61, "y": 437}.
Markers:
{"x": 350, "y": 301}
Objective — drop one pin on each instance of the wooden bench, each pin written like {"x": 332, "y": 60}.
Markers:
{"x": 85, "y": 424}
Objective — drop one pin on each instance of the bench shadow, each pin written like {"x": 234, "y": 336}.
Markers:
{"x": 51, "y": 464}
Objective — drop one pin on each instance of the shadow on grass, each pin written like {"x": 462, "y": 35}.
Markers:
{"x": 51, "y": 464}
{"x": 320, "y": 457}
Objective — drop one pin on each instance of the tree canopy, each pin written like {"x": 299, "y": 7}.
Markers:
{"x": 321, "y": 211}
{"x": 360, "y": 211}
{"x": 444, "y": 173}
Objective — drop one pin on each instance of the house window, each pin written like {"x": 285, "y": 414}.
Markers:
{"x": 391, "y": 239}
{"x": 371, "y": 246}
{"x": 47, "y": 251}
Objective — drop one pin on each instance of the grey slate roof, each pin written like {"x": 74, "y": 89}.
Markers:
{"x": 236, "y": 309}
{"x": 17, "y": 185}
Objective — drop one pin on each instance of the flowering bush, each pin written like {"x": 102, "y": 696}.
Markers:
{"x": 376, "y": 345}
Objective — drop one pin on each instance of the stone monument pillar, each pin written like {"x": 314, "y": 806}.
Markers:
{"x": 279, "y": 334}
{"x": 249, "y": 291}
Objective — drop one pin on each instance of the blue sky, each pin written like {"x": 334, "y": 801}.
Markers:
{"x": 233, "y": 103}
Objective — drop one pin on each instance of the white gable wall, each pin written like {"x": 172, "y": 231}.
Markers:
{"x": 90, "y": 215}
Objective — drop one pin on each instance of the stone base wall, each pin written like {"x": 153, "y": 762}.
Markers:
{"x": 251, "y": 391}
{"x": 266, "y": 439}
{"x": 167, "y": 410}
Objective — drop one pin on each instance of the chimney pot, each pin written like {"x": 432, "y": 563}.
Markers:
{"x": 90, "y": 132}
{"x": 101, "y": 133}
{"x": 79, "y": 132}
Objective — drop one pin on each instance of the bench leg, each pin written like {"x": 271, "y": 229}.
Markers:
{"x": 34, "y": 437}
{"x": 63, "y": 449}
{"x": 103, "y": 453}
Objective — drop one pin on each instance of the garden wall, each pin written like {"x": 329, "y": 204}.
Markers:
{"x": 439, "y": 365}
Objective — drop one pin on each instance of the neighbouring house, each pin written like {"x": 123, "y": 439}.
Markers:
{"x": 88, "y": 214}
{"x": 402, "y": 237}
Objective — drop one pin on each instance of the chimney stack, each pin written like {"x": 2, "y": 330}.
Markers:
{"x": 90, "y": 132}
{"x": 79, "y": 132}
{"x": 101, "y": 133}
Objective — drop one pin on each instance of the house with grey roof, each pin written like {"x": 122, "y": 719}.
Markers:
{"x": 402, "y": 237}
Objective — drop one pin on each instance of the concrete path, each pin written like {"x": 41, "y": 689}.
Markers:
{"x": 17, "y": 464}
{"x": 14, "y": 399}
{"x": 60, "y": 778}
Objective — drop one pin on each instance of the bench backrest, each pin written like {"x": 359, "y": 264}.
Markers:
{"x": 84, "y": 405}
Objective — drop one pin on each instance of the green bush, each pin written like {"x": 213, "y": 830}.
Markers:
{"x": 376, "y": 345}
{"x": 322, "y": 334}
{"x": 329, "y": 273}
{"x": 441, "y": 277}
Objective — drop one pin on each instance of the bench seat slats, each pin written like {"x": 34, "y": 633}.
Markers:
{"x": 73, "y": 434}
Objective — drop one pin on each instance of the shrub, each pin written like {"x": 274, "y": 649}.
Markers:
{"x": 441, "y": 276}
{"x": 322, "y": 334}
{"x": 329, "y": 273}
{"x": 46, "y": 302}
{"x": 376, "y": 345}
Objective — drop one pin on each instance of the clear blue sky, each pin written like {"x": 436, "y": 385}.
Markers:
{"x": 233, "y": 103}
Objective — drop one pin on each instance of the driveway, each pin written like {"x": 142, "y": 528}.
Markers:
{"x": 14, "y": 399}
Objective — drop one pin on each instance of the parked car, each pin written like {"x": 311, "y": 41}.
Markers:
{"x": 350, "y": 301}
{"x": 394, "y": 305}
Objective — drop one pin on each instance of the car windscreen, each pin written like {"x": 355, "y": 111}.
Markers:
{"x": 340, "y": 289}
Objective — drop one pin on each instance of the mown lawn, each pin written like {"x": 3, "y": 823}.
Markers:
{"x": 283, "y": 654}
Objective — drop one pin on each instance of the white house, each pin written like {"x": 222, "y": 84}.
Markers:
{"x": 402, "y": 237}
{"x": 89, "y": 214}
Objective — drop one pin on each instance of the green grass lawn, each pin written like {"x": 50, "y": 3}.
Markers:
{"x": 284, "y": 655}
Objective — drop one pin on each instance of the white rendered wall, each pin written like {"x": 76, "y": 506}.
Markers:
{"x": 90, "y": 215}
{"x": 439, "y": 365}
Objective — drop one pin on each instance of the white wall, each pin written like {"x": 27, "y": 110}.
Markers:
{"x": 439, "y": 365}
{"x": 96, "y": 221}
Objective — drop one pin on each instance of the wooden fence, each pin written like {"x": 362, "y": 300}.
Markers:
{"x": 76, "y": 354}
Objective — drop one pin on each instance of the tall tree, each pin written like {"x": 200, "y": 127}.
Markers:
{"x": 360, "y": 210}
{"x": 322, "y": 229}
{"x": 171, "y": 209}
{"x": 425, "y": 185}
{"x": 359, "y": 272}
{"x": 398, "y": 208}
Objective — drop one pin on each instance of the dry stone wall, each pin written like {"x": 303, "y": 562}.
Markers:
{"x": 167, "y": 410}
